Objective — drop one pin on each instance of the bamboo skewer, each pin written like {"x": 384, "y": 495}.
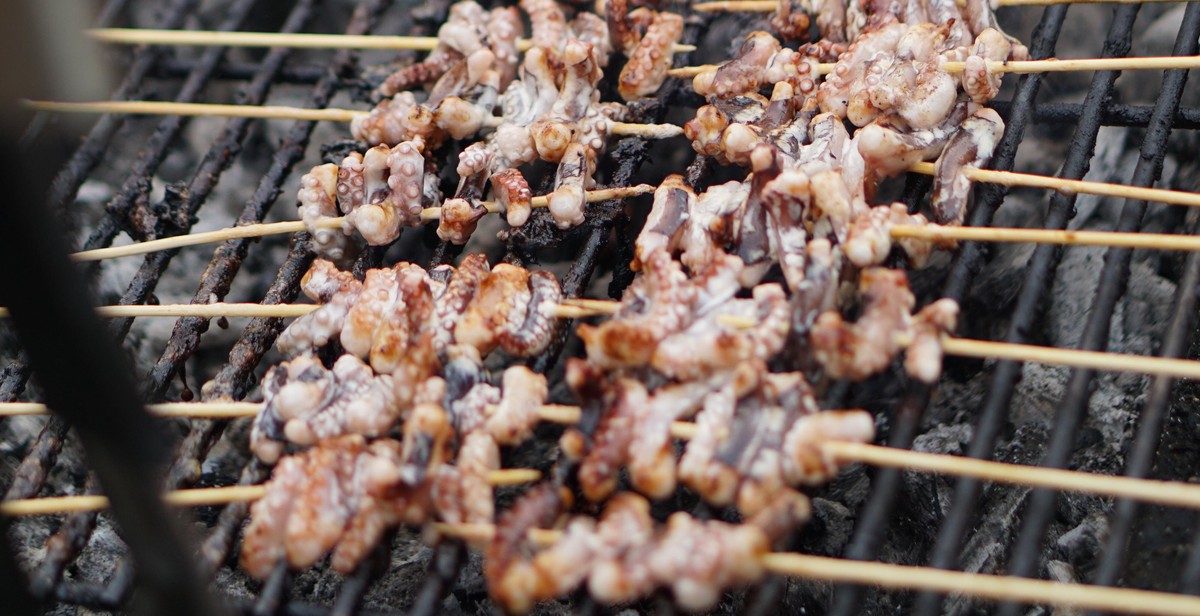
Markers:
{"x": 212, "y": 311}
{"x": 249, "y": 310}
{"x": 1011, "y": 178}
{"x": 1094, "y": 360}
{"x": 199, "y": 497}
{"x": 1166, "y": 493}
{"x": 275, "y": 112}
{"x": 94, "y": 502}
{"x": 981, "y": 585}
{"x": 260, "y": 230}
{"x": 148, "y": 36}
{"x": 278, "y": 112}
{"x": 905, "y": 577}
{"x": 1152, "y": 241}
{"x": 985, "y": 349}
{"x": 201, "y": 410}
{"x": 1021, "y": 67}
{"x": 769, "y": 6}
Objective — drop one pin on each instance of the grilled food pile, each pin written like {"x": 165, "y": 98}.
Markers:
{"x": 401, "y": 390}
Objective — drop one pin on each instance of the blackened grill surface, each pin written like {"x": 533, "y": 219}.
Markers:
{"x": 862, "y": 516}
{"x": 1044, "y": 261}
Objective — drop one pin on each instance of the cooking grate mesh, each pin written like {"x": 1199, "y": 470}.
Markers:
{"x": 590, "y": 252}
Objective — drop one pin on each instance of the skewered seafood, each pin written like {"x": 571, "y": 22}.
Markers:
{"x": 403, "y": 309}
{"x": 860, "y": 349}
{"x": 626, "y": 555}
{"x": 695, "y": 333}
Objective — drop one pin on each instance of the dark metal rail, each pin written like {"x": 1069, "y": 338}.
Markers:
{"x": 1026, "y": 558}
{"x": 877, "y": 513}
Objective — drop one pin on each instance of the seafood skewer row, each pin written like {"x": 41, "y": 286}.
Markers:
{"x": 582, "y": 308}
{"x": 747, "y": 564}
{"x": 280, "y": 112}
{"x": 768, "y": 6}
{"x": 1152, "y": 241}
{"x": 149, "y": 36}
{"x": 878, "y": 574}
{"x": 1167, "y": 493}
{"x": 1021, "y": 67}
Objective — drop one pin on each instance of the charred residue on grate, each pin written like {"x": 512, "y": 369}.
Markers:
{"x": 864, "y": 514}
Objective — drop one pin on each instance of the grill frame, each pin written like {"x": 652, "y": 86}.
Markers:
{"x": 234, "y": 379}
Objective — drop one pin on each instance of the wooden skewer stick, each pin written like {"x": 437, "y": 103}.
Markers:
{"x": 981, "y": 585}
{"x": 932, "y": 232}
{"x": 283, "y": 311}
{"x": 276, "y": 112}
{"x": 147, "y": 36}
{"x": 1145, "y": 63}
{"x": 197, "y": 497}
{"x": 1010, "y": 178}
{"x": 1151, "y": 241}
{"x": 904, "y": 577}
{"x": 260, "y": 230}
{"x": 95, "y": 502}
{"x": 202, "y": 410}
{"x": 769, "y": 6}
{"x": 649, "y": 131}
{"x": 195, "y": 239}
{"x": 212, "y": 311}
{"x": 1167, "y": 493}
{"x": 1095, "y": 360}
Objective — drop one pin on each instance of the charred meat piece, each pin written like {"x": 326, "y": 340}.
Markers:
{"x": 865, "y": 347}
{"x": 339, "y": 495}
{"x": 658, "y": 304}
{"x": 305, "y": 403}
{"x": 971, "y": 146}
{"x": 514, "y": 581}
{"x": 647, "y": 67}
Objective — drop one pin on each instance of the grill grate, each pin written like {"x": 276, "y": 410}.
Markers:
{"x": 591, "y": 252}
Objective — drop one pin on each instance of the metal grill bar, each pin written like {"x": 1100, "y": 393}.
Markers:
{"x": 1113, "y": 279}
{"x": 1150, "y": 428}
{"x": 873, "y": 522}
{"x": 32, "y": 471}
{"x": 1038, "y": 280}
{"x": 294, "y": 74}
{"x": 73, "y": 536}
{"x": 226, "y": 262}
{"x": 260, "y": 334}
{"x": 137, "y": 184}
{"x": 1176, "y": 341}
{"x": 66, "y": 184}
{"x": 443, "y": 570}
{"x": 1190, "y": 583}
{"x": 1114, "y": 115}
